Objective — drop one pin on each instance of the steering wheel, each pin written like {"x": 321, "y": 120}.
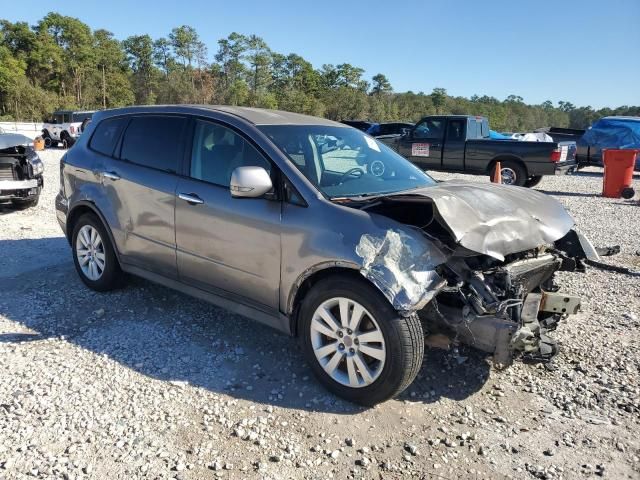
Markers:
{"x": 351, "y": 172}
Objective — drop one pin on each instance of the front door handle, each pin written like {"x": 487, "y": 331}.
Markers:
{"x": 111, "y": 176}
{"x": 191, "y": 198}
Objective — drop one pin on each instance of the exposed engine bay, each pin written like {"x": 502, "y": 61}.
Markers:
{"x": 21, "y": 170}
{"x": 500, "y": 300}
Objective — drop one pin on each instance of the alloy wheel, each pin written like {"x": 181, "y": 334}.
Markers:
{"x": 90, "y": 252}
{"x": 348, "y": 342}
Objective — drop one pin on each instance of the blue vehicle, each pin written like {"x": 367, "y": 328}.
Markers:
{"x": 608, "y": 132}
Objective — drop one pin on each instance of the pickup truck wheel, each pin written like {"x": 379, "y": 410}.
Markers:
{"x": 513, "y": 173}
{"x": 533, "y": 181}
{"x": 93, "y": 255}
{"x": 356, "y": 343}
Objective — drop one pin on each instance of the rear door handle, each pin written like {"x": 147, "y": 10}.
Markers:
{"x": 435, "y": 145}
{"x": 111, "y": 176}
{"x": 191, "y": 198}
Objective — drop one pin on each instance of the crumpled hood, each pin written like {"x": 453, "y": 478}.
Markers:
{"x": 496, "y": 220}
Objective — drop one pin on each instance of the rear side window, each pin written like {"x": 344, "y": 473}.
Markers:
{"x": 455, "y": 130}
{"x": 154, "y": 141}
{"x": 106, "y": 136}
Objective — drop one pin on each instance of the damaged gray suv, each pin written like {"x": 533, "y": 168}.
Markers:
{"x": 320, "y": 231}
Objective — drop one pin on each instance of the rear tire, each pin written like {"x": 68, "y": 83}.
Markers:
{"x": 94, "y": 256}
{"x": 533, "y": 181}
{"x": 373, "y": 359}
{"x": 513, "y": 173}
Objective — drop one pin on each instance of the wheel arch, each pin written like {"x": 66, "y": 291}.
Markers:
{"x": 311, "y": 277}
{"x": 80, "y": 209}
{"x": 504, "y": 158}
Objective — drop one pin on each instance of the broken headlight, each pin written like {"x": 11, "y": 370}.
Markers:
{"x": 36, "y": 165}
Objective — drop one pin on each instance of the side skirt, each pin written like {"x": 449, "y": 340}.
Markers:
{"x": 278, "y": 321}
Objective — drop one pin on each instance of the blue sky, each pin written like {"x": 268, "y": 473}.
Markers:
{"x": 586, "y": 52}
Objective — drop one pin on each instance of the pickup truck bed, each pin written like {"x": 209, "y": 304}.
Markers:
{"x": 460, "y": 143}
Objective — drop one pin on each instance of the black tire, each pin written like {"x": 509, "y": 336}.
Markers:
{"x": 533, "y": 181}
{"x": 25, "y": 203}
{"x": 48, "y": 141}
{"x": 403, "y": 337}
{"x": 67, "y": 140}
{"x": 112, "y": 276}
{"x": 518, "y": 170}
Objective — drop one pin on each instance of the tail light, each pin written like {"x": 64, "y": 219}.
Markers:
{"x": 556, "y": 154}
{"x": 73, "y": 129}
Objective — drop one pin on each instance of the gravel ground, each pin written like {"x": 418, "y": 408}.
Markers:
{"x": 148, "y": 383}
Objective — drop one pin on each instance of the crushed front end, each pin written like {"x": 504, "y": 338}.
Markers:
{"x": 21, "y": 170}
{"x": 506, "y": 308}
{"x": 478, "y": 265}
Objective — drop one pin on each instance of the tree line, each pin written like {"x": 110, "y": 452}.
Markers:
{"x": 61, "y": 63}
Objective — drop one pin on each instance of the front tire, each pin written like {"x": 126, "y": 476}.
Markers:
{"x": 93, "y": 254}
{"x": 357, "y": 345}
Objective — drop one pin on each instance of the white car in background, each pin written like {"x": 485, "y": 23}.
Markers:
{"x": 65, "y": 126}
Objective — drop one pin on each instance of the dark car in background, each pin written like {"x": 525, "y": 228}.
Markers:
{"x": 379, "y": 129}
{"x": 462, "y": 143}
{"x": 389, "y": 128}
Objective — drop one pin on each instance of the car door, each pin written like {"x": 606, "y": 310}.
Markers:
{"x": 141, "y": 185}
{"x": 228, "y": 246}
{"x": 454, "y": 143}
{"x": 423, "y": 144}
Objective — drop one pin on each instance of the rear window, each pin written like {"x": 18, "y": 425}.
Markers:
{"x": 106, "y": 136}
{"x": 154, "y": 141}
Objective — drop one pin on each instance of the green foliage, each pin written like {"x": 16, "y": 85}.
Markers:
{"x": 61, "y": 63}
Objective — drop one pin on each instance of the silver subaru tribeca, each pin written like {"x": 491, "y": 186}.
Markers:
{"x": 320, "y": 231}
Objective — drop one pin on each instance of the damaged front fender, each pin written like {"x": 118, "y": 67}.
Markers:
{"x": 402, "y": 267}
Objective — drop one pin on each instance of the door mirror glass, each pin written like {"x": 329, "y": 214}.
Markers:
{"x": 249, "y": 182}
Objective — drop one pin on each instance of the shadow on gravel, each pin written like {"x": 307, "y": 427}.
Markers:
{"x": 7, "y": 208}
{"x": 569, "y": 194}
{"x": 168, "y": 336}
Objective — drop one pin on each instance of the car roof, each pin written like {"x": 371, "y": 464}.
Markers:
{"x": 257, "y": 116}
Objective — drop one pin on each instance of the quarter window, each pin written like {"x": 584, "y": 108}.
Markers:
{"x": 154, "y": 141}
{"x": 107, "y": 134}
{"x": 455, "y": 130}
{"x": 217, "y": 151}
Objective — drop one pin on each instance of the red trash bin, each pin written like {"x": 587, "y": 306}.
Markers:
{"x": 618, "y": 171}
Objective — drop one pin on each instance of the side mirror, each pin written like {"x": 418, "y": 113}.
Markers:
{"x": 249, "y": 182}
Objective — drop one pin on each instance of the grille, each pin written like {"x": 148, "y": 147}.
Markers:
{"x": 6, "y": 172}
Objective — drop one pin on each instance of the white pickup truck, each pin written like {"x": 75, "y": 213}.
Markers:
{"x": 65, "y": 126}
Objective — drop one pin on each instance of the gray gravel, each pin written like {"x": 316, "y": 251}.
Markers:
{"x": 147, "y": 383}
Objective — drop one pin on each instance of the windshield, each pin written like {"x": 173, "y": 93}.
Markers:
{"x": 344, "y": 162}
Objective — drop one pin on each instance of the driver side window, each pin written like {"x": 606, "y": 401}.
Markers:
{"x": 429, "y": 128}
